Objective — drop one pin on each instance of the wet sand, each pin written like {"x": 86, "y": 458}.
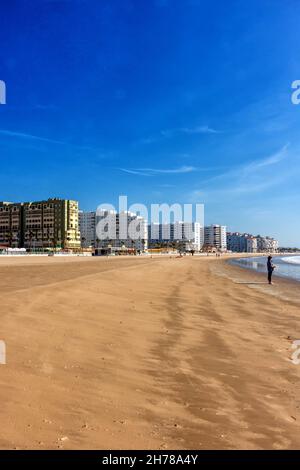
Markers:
{"x": 146, "y": 353}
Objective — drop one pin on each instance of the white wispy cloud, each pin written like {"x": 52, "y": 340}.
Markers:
{"x": 271, "y": 160}
{"x": 133, "y": 172}
{"x": 22, "y": 135}
{"x": 254, "y": 177}
{"x": 157, "y": 171}
{"x": 188, "y": 130}
{"x": 169, "y": 133}
{"x": 36, "y": 138}
{"x": 250, "y": 169}
{"x": 198, "y": 130}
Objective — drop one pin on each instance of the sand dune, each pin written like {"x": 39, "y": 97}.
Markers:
{"x": 146, "y": 353}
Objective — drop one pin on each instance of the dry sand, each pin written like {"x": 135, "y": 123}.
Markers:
{"x": 146, "y": 353}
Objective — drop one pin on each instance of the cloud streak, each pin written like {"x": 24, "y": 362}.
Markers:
{"x": 250, "y": 169}
{"x": 35, "y": 138}
{"x": 22, "y": 135}
{"x": 271, "y": 160}
{"x": 169, "y": 133}
{"x": 253, "y": 177}
{"x": 157, "y": 171}
{"x": 189, "y": 130}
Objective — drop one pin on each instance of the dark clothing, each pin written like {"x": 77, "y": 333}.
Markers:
{"x": 270, "y": 268}
{"x": 270, "y": 276}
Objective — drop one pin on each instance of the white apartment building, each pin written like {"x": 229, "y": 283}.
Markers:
{"x": 188, "y": 235}
{"x": 121, "y": 229}
{"x": 244, "y": 242}
{"x": 267, "y": 244}
{"x": 251, "y": 244}
{"x": 192, "y": 234}
{"x": 87, "y": 227}
{"x": 215, "y": 236}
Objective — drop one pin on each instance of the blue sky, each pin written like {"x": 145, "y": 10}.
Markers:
{"x": 161, "y": 100}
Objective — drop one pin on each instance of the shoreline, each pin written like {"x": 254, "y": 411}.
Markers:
{"x": 285, "y": 288}
{"x": 275, "y": 274}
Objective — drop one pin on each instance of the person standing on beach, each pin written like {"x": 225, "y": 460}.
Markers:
{"x": 270, "y": 267}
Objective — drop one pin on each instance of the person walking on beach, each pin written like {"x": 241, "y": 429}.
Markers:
{"x": 270, "y": 267}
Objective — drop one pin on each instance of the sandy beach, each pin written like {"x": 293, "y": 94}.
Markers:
{"x": 142, "y": 353}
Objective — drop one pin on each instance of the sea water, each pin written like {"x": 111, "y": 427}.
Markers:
{"x": 286, "y": 266}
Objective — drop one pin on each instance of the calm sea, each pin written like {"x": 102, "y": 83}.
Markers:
{"x": 286, "y": 266}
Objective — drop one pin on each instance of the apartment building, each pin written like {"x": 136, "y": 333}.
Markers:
{"x": 244, "y": 242}
{"x": 52, "y": 223}
{"x": 87, "y": 227}
{"x": 266, "y": 244}
{"x": 11, "y": 224}
{"x": 251, "y": 244}
{"x": 215, "y": 237}
{"x": 185, "y": 235}
{"x": 237, "y": 242}
{"x": 124, "y": 229}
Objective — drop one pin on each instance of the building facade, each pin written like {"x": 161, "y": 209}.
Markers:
{"x": 266, "y": 244}
{"x": 182, "y": 235}
{"x": 124, "y": 229}
{"x": 215, "y": 237}
{"x": 52, "y": 223}
{"x": 247, "y": 243}
{"x": 237, "y": 242}
{"x": 251, "y": 244}
{"x": 87, "y": 227}
{"x": 11, "y": 225}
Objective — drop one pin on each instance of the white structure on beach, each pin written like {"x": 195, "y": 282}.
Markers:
{"x": 186, "y": 235}
{"x": 124, "y": 229}
{"x": 87, "y": 227}
{"x": 215, "y": 236}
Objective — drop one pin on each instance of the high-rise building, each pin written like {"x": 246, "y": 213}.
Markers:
{"x": 87, "y": 226}
{"x": 184, "y": 235}
{"x": 124, "y": 229}
{"x": 11, "y": 224}
{"x": 52, "y": 223}
{"x": 215, "y": 237}
{"x": 237, "y": 242}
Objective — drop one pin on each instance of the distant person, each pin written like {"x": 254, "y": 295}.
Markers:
{"x": 270, "y": 267}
